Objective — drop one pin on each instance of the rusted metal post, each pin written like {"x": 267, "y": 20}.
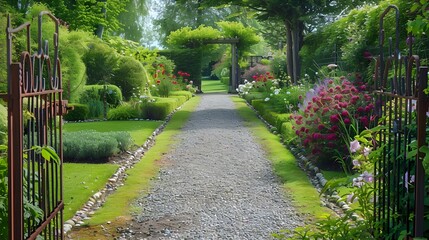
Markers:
{"x": 422, "y": 108}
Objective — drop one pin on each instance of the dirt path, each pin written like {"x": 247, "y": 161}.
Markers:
{"x": 216, "y": 183}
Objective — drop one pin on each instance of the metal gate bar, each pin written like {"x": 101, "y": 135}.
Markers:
{"x": 402, "y": 105}
{"x": 35, "y": 107}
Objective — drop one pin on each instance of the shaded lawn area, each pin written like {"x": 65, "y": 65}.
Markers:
{"x": 139, "y": 130}
{"x": 81, "y": 181}
{"x": 210, "y": 86}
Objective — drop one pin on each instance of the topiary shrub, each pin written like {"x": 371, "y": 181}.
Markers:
{"x": 123, "y": 112}
{"x": 78, "y": 113}
{"x": 159, "y": 110}
{"x": 100, "y": 61}
{"x": 112, "y": 93}
{"x": 90, "y": 146}
{"x": 129, "y": 76}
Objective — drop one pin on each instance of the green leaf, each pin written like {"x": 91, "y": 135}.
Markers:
{"x": 49, "y": 153}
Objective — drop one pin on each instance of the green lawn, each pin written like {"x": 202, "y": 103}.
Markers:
{"x": 210, "y": 86}
{"x": 81, "y": 181}
{"x": 139, "y": 130}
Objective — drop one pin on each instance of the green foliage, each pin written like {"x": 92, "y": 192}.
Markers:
{"x": 3, "y": 196}
{"x": 101, "y": 61}
{"x": 187, "y": 37}
{"x": 278, "y": 66}
{"x": 123, "y": 112}
{"x": 247, "y": 35}
{"x": 330, "y": 228}
{"x": 128, "y": 76}
{"x": 73, "y": 45}
{"x": 420, "y": 24}
{"x": 3, "y": 72}
{"x": 111, "y": 93}
{"x": 91, "y": 146}
{"x": 78, "y": 113}
{"x": 31, "y": 210}
{"x": 3, "y": 125}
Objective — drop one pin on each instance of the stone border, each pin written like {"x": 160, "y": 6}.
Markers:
{"x": 115, "y": 181}
{"x": 329, "y": 198}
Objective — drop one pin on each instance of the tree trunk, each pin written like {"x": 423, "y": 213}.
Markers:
{"x": 100, "y": 28}
{"x": 289, "y": 58}
{"x": 294, "y": 37}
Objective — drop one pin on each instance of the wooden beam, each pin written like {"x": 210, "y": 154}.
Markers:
{"x": 222, "y": 40}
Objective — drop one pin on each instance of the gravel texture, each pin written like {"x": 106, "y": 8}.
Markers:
{"x": 215, "y": 183}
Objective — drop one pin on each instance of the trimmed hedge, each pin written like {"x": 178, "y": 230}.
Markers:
{"x": 187, "y": 94}
{"x": 90, "y": 146}
{"x": 123, "y": 112}
{"x": 78, "y": 113}
{"x": 159, "y": 109}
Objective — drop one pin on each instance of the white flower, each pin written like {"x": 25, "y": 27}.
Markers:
{"x": 332, "y": 66}
{"x": 277, "y": 91}
{"x": 354, "y": 146}
{"x": 267, "y": 99}
{"x": 287, "y": 92}
{"x": 366, "y": 151}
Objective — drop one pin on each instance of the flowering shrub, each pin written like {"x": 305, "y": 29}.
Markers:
{"x": 329, "y": 115}
{"x": 257, "y": 70}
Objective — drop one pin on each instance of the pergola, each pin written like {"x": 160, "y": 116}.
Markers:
{"x": 235, "y": 68}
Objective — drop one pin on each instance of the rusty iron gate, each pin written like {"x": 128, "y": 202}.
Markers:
{"x": 35, "y": 106}
{"x": 402, "y": 105}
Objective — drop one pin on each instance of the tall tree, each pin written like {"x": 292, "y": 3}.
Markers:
{"x": 132, "y": 20}
{"x": 294, "y": 14}
{"x": 176, "y": 14}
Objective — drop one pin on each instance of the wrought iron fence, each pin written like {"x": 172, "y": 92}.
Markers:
{"x": 35, "y": 107}
{"x": 402, "y": 107}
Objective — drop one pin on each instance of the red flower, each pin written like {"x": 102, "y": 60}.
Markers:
{"x": 158, "y": 81}
{"x": 321, "y": 127}
{"x": 345, "y": 113}
{"x": 334, "y": 128}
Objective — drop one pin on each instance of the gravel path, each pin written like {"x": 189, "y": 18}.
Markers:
{"x": 215, "y": 184}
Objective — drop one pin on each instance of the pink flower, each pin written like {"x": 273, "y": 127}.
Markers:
{"x": 331, "y": 136}
{"x": 354, "y": 146}
{"x": 347, "y": 120}
{"x": 334, "y": 118}
{"x": 321, "y": 127}
{"x": 317, "y": 136}
{"x": 345, "y": 113}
